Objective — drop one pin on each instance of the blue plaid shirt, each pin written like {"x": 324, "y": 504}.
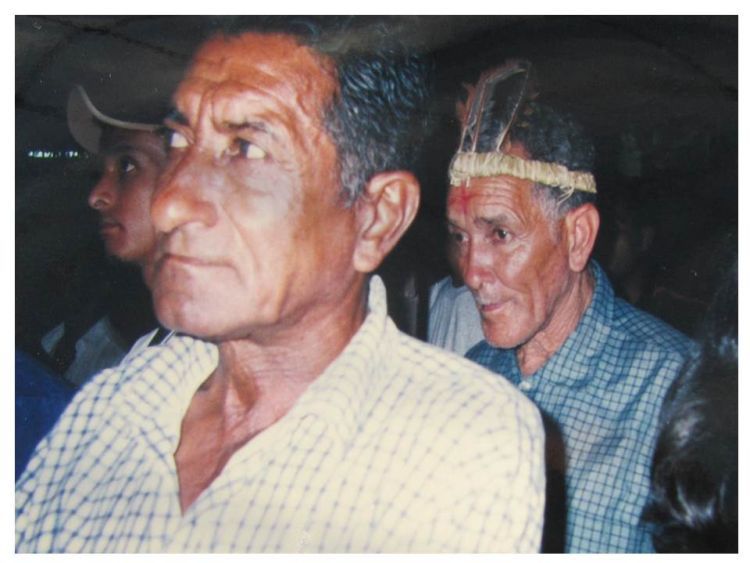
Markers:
{"x": 604, "y": 389}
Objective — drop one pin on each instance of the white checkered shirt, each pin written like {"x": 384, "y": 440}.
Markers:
{"x": 397, "y": 447}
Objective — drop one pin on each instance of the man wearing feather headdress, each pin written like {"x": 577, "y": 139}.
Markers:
{"x": 522, "y": 216}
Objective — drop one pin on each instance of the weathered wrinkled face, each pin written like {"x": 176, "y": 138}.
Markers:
{"x": 132, "y": 161}
{"x": 252, "y": 235}
{"x": 511, "y": 256}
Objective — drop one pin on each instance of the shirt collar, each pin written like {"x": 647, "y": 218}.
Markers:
{"x": 571, "y": 363}
{"x": 158, "y": 384}
{"x": 354, "y": 376}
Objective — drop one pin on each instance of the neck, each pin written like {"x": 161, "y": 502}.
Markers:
{"x": 260, "y": 381}
{"x": 570, "y": 308}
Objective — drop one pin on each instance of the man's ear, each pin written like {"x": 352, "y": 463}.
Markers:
{"x": 581, "y": 226}
{"x": 384, "y": 212}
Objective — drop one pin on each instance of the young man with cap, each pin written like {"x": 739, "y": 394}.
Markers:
{"x": 132, "y": 155}
{"x": 99, "y": 333}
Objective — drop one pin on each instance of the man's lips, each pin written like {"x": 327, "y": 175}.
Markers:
{"x": 487, "y": 306}
{"x": 184, "y": 260}
{"x": 109, "y": 227}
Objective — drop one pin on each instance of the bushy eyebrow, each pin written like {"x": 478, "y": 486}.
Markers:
{"x": 500, "y": 220}
{"x": 178, "y": 117}
{"x": 250, "y": 126}
{"x": 492, "y": 222}
{"x": 254, "y": 125}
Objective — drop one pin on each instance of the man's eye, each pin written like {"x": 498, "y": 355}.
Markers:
{"x": 250, "y": 150}
{"x": 176, "y": 140}
{"x": 457, "y": 237}
{"x": 125, "y": 165}
{"x": 501, "y": 234}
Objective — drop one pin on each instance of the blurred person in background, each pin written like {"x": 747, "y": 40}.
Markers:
{"x": 693, "y": 504}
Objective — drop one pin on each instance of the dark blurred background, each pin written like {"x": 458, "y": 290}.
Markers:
{"x": 658, "y": 94}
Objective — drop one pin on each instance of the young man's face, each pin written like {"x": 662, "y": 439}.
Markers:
{"x": 253, "y": 238}
{"x": 132, "y": 161}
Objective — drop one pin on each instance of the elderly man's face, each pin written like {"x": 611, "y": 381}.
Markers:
{"x": 253, "y": 237}
{"x": 132, "y": 161}
{"x": 511, "y": 256}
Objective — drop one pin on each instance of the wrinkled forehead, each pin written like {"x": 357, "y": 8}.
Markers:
{"x": 262, "y": 62}
{"x": 491, "y": 195}
{"x": 478, "y": 192}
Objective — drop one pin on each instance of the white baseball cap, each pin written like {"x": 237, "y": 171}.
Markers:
{"x": 86, "y": 122}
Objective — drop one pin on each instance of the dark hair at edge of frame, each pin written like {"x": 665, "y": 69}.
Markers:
{"x": 552, "y": 136}
{"x": 378, "y": 119}
{"x": 693, "y": 502}
{"x": 379, "y": 116}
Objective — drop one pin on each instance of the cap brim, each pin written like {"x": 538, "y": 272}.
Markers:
{"x": 85, "y": 121}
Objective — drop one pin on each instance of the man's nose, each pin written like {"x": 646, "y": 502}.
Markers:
{"x": 476, "y": 264}
{"x": 181, "y": 198}
{"x": 104, "y": 194}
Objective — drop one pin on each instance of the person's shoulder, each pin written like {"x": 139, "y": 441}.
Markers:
{"x": 34, "y": 379}
{"x": 638, "y": 327}
{"x": 432, "y": 359}
{"x": 144, "y": 366}
{"x": 488, "y": 435}
{"x": 443, "y": 293}
{"x": 442, "y": 373}
{"x": 640, "y": 355}
{"x": 437, "y": 287}
{"x": 480, "y": 350}
{"x": 484, "y": 354}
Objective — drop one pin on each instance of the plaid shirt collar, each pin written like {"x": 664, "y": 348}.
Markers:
{"x": 159, "y": 384}
{"x": 571, "y": 364}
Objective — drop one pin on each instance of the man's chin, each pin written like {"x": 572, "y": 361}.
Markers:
{"x": 499, "y": 338}
{"x": 184, "y": 316}
{"x": 196, "y": 330}
{"x": 206, "y": 333}
{"x": 118, "y": 254}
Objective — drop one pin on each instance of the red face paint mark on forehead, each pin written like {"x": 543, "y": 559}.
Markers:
{"x": 459, "y": 199}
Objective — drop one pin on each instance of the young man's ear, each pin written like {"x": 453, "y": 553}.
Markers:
{"x": 581, "y": 226}
{"x": 384, "y": 212}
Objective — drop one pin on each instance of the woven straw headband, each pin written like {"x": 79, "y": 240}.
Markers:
{"x": 466, "y": 165}
{"x": 469, "y": 164}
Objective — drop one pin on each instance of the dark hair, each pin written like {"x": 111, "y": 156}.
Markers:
{"x": 378, "y": 117}
{"x": 548, "y": 135}
{"x": 552, "y": 136}
{"x": 693, "y": 504}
